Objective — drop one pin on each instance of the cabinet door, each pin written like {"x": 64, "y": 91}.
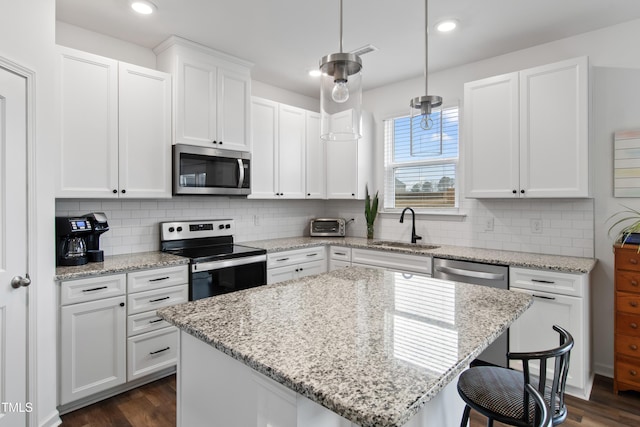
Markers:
{"x": 88, "y": 106}
{"x": 554, "y": 140}
{"x": 92, "y": 347}
{"x": 234, "y": 93}
{"x": 315, "y": 154}
{"x": 491, "y": 126}
{"x": 145, "y": 132}
{"x": 196, "y": 101}
{"x": 264, "y": 127}
{"x": 291, "y": 152}
{"x": 533, "y": 330}
{"x": 280, "y": 274}
{"x": 342, "y": 169}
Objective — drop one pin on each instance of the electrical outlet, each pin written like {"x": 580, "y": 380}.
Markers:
{"x": 536, "y": 226}
{"x": 488, "y": 224}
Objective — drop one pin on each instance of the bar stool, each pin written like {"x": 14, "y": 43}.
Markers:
{"x": 543, "y": 416}
{"x": 499, "y": 393}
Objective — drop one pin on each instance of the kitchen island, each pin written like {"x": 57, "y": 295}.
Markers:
{"x": 361, "y": 346}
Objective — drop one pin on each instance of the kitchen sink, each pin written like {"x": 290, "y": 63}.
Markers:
{"x": 391, "y": 244}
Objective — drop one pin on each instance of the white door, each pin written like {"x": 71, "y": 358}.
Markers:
{"x": 13, "y": 250}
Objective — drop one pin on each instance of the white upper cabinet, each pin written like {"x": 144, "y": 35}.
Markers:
{"x": 291, "y": 152}
{"x": 264, "y": 124}
{"x": 526, "y": 133}
{"x": 115, "y": 128}
{"x": 316, "y": 161}
{"x": 211, "y": 95}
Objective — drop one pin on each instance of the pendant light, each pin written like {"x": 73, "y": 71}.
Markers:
{"x": 421, "y": 106}
{"x": 340, "y": 95}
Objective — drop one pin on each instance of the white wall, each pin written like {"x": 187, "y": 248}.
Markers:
{"x": 27, "y": 34}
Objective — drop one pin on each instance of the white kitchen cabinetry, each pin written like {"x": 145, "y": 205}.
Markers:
{"x": 386, "y": 260}
{"x": 339, "y": 257}
{"x": 115, "y": 128}
{"x": 92, "y": 336}
{"x": 110, "y": 335}
{"x": 278, "y": 160}
{"x": 315, "y": 166}
{"x": 295, "y": 264}
{"x": 559, "y": 299}
{"x": 212, "y": 95}
{"x": 527, "y": 133}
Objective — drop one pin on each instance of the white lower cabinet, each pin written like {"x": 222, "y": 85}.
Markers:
{"x": 339, "y": 257}
{"x": 559, "y": 299}
{"x": 386, "y": 260}
{"x": 110, "y": 334}
{"x": 296, "y": 264}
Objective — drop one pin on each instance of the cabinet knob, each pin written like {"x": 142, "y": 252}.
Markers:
{"x": 522, "y": 191}
{"x": 124, "y": 191}
{"x": 633, "y": 261}
{"x": 633, "y": 372}
{"x": 353, "y": 194}
{"x": 214, "y": 141}
{"x": 633, "y": 347}
{"x": 220, "y": 142}
{"x": 633, "y": 303}
{"x": 115, "y": 191}
{"x": 308, "y": 194}
{"x": 515, "y": 191}
{"x": 634, "y": 283}
{"x": 634, "y": 326}
{"x": 121, "y": 304}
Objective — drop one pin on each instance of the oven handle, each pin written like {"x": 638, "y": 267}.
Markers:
{"x": 240, "y": 173}
{"x": 216, "y": 265}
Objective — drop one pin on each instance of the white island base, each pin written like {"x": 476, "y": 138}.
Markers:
{"x": 215, "y": 390}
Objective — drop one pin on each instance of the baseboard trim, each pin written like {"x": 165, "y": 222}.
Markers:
{"x": 604, "y": 370}
{"x": 53, "y": 420}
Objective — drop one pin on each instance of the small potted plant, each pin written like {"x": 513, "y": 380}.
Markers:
{"x": 630, "y": 233}
{"x": 370, "y": 211}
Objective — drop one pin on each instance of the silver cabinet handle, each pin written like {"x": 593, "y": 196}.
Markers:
{"x": 240, "y": 173}
{"x": 470, "y": 273}
{"x": 19, "y": 281}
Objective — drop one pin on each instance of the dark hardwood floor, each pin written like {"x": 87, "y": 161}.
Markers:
{"x": 155, "y": 405}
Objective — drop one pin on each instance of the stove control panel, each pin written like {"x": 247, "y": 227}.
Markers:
{"x": 179, "y": 230}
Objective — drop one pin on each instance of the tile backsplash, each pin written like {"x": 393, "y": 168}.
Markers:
{"x": 558, "y": 227}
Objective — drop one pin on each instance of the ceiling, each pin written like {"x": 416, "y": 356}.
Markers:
{"x": 286, "y": 38}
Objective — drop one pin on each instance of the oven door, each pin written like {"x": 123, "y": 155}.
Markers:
{"x": 202, "y": 170}
{"x": 221, "y": 277}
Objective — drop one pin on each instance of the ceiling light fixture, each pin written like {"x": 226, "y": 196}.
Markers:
{"x": 447, "y": 25}
{"x": 315, "y": 72}
{"x": 340, "y": 94}
{"x": 424, "y": 104}
{"x": 143, "y": 7}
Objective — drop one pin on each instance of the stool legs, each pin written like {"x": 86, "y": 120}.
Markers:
{"x": 465, "y": 416}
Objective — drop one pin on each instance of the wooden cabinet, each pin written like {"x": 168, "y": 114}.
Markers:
{"x": 627, "y": 319}
{"x": 527, "y": 133}
{"x": 92, "y": 337}
{"x": 212, "y": 94}
{"x": 559, "y": 299}
{"x": 295, "y": 264}
{"x": 115, "y": 128}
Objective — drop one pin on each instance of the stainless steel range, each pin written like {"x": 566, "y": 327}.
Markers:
{"x": 217, "y": 265}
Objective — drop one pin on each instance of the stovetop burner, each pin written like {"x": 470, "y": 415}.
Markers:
{"x": 214, "y": 252}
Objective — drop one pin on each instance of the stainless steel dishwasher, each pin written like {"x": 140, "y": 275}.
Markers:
{"x": 495, "y": 276}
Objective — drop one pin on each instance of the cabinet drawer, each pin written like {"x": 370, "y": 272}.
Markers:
{"x": 629, "y": 346}
{"x": 335, "y": 264}
{"x": 628, "y": 324}
{"x": 157, "y": 278}
{"x": 392, "y": 261}
{"x": 144, "y": 322}
{"x": 152, "y": 300}
{"x": 628, "y": 303}
{"x": 281, "y": 259}
{"x": 628, "y": 281}
{"x": 548, "y": 281}
{"x": 152, "y": 352}
{"x": 340, "y": 253}
{"x": 628, "y": 371}
{"x": 311, "y": 268}
{"x": 627, "y": 258}
{"x": 91, "y": 289}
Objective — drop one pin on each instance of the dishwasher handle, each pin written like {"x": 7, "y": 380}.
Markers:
{"x": 469, "y": 273}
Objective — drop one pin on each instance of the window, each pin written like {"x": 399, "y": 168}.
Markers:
{"x": 424, "y": 175}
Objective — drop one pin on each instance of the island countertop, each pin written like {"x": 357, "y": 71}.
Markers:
{"x": 372, "y": 346}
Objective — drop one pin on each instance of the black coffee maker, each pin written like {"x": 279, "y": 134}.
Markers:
{"x": 98, "y": 221}
{"x": 71, "y": 246}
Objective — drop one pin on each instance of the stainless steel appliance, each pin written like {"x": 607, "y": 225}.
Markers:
{"x": 327, "y": 227}
{"x": 71, "y": 247}
{"x": 495, "y": 276}
{"x": 203, "y": 170}
{"x": 217, "y": 265}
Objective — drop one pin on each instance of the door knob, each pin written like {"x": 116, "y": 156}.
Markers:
{"x": 18, "y": 281}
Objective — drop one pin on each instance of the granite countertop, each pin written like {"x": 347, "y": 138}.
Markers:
{"x": 373, "y": 346}
{"x": 490, "y": 256}
{"x": 120, "y": 263}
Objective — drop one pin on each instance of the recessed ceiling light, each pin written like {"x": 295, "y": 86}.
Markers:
{"x": 143, "y": 7}
{"x": 446, "y": 26}
{"x": 315, "y": 72}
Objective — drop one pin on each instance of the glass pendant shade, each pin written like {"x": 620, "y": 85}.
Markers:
{"x": 340, "y": 97}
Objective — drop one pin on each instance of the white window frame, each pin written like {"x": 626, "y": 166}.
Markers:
{"x": 390, "y": 166}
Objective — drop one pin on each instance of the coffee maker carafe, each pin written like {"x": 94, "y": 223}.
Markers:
{"x": 71, "y": 247}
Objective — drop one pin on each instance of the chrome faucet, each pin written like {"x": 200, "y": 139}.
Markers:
{"x": 414, "y": 236}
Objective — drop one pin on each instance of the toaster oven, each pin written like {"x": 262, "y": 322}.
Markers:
{"x": 327, "y": 227}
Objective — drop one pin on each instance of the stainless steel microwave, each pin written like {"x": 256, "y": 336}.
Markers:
{"x": 213, "y": 171}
